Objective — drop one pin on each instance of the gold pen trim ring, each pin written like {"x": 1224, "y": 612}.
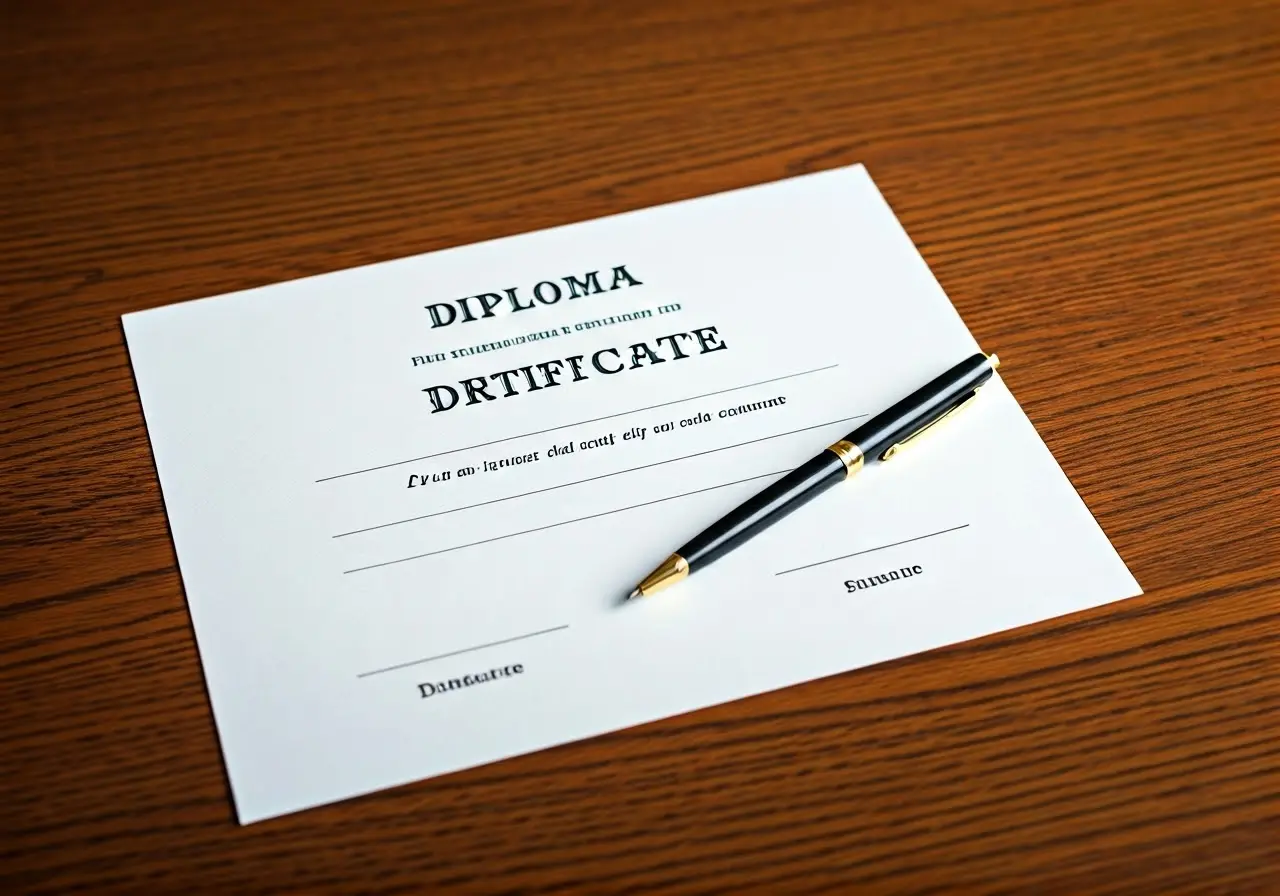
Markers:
{"x": 850, "y": 455}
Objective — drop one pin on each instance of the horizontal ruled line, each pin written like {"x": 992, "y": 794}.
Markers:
{"x": 400, "y": 463}
{"x": 870, "y": 550}
{"x": 561, "y": 523}
{"x": 551, "y": 488}
{"x": 441, "y": 656}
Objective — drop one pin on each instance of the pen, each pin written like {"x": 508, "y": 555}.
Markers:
{"x": 881, "y": 437}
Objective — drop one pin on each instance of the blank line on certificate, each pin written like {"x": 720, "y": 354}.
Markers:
{"x": 525, "y": 435}
{"x": 441, "y": 656}
{"x": 472, "y": 544}
{"x": 551, "y": 488}
{"x": 870, "y": 550}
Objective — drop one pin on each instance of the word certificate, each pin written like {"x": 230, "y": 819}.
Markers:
{"x": 409, "y": 499}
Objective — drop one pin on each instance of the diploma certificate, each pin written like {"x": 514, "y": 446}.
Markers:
{"x": 408, "y": 499}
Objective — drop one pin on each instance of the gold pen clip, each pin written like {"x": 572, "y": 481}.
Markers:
{"x": 898, "y": 446}
{"x": 963, "y": 403}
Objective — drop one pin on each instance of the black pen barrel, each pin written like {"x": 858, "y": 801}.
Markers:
{"x": 805, "y": 483}
{"x": 789, "y": 493}
{"x": 880, "y": 437}
{"x": 907, "y": 416}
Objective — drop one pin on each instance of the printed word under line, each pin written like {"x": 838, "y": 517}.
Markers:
{"x": 525, "y": 435}
{"x": 441, "y": 656}
{"x": 870, "y": 550}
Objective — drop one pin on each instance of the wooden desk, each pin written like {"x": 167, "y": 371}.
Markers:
{"x": 1094, "y": 183}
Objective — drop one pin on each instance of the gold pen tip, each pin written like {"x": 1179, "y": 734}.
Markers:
{"x": 634, "y": 594}
{"x": 670, "y": 571}
{"x": 994, "y": 359}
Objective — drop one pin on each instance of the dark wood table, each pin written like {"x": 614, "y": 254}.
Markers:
{"x": 1095, "y": 184}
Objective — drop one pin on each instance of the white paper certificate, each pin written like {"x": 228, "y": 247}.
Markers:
{"x": 408, "y": 498}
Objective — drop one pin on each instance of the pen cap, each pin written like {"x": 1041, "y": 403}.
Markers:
{"x": 922, "y": 407}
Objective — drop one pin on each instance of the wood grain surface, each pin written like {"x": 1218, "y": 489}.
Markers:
{"x": 1096, "y": 185}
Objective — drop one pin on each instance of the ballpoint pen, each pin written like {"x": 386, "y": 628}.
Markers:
{"x": 880, "y": 438}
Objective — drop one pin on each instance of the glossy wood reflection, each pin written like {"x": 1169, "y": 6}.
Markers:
{"x": 1094, "y": 183}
